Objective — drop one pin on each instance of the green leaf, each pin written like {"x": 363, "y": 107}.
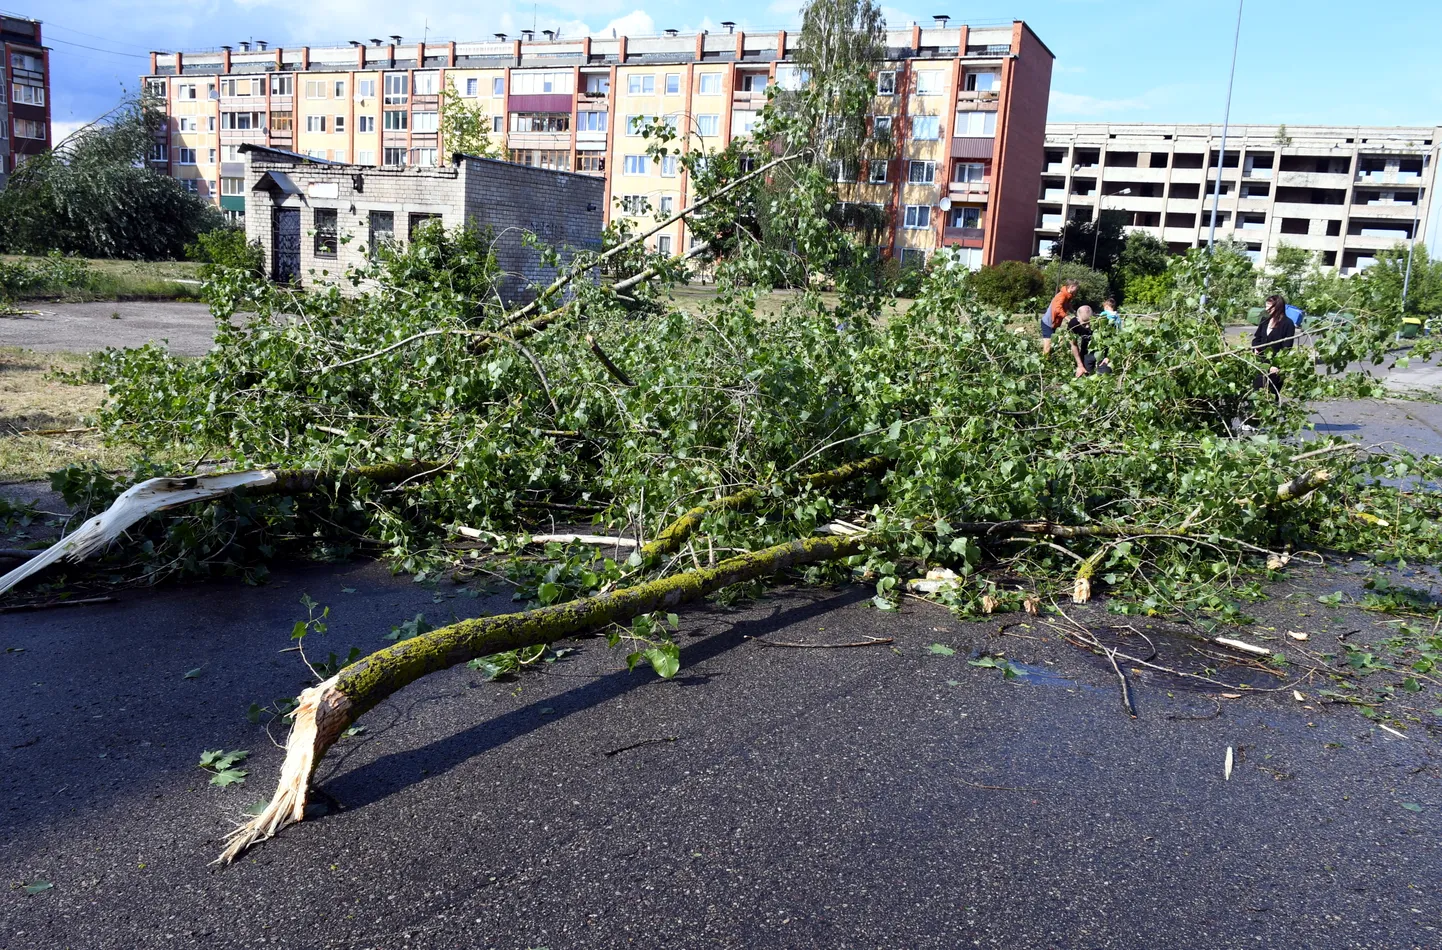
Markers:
{"x": 227, "y": 777}
{"x": 941, "y": 649}
{"x": 35, "y": 887}
{"x": 192, "y": 674}
{"x": 1411, "y": 806}
{"x": 298, "y": 631}
{"x": 665, "y": 659}
{"x": 548, "y": 592}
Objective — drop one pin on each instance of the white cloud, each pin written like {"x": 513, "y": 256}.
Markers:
{"x": 62, "y": 129}
{"x": 635, "y": 23}
{"x": 1064, "y": 104}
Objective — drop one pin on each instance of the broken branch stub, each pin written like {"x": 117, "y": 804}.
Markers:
{"x": 326, "y": 710}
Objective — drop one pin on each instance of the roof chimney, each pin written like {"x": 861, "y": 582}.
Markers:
{"x": 261, "y": 45}
{"x": 226, "y": 48}
{"x": 730, "y": 25}
{"x": 375, "y": 41}
{"x": 529, "y": 35}
{"x": 941, "y": 20}
{"x": 501, "y": 37}
{"x": 396, "y": 38}
{"x": 244, "y": 46}
{"x": 672, "y": 32}
{"x": 355, "y": 42}
{"x": 550, "y": 34}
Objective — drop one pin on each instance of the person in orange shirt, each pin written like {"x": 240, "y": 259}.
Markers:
{"x": 1056, "y": 313}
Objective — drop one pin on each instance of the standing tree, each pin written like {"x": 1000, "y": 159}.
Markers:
{"x": 95, "y": 196}
{"x": 842, "y": 44}
{"x": 465, "y": 127}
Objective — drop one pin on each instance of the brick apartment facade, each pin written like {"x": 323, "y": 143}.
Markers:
{"x": 24, "y": 93}
{"x": 965, "y": 106}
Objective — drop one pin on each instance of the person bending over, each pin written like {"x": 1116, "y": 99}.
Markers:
{"x": 1080, "y": 328}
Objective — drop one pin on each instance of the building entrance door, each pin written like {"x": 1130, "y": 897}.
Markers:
{"x": 286, "y": 241}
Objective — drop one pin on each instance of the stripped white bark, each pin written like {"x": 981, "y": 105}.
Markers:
{"x": 135, "y": 503}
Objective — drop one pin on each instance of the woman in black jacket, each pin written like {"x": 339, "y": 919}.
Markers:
{"x": 1275, "y": 332}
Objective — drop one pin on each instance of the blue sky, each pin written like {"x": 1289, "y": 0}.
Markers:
{"x": 1325, "y": 62}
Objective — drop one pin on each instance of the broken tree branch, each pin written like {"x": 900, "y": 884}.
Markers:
{"x": 328, "y": 709}
{"x": 616, "y": 372}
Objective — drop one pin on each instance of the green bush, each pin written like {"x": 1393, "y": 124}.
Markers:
{"x": 1093, "y": 286}
{"x": 226, "y": 247}
{"x": 1011, "y": 286}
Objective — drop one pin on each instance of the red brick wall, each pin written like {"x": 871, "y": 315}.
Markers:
{"x": 1021, "y": 145}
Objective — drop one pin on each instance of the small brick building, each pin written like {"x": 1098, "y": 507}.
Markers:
{"x": 315, "y": 219}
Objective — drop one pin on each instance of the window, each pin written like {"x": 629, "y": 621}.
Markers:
{"x": 498, "y": 123}
{"x": 708, "y": 125}
{"x": 365, "y": 88}
{"x": 668, "y": 205}
{"x": 35, "y": 129}
{"x": 876, "y": 171}
{"x": 473, "y": 87}
{"x": 967, "y": 172}
{"x": 159, "y": 151}
{"x": 210, "y": 123}
{"x": 754, "y": 82}
{"x": 498, "y": 87}
{"x": 398, "y": 87}
{"x": 188, "y": 123}
{"x": 533, "y": 82}
{"x": 314, "y": 88}
{"x": 424, "y": 157}
{"x": 396, "y": 121}
{"x": 881, "y": 127}
{"x": 325, "y": 222}
{"x": 917, "y": 217}
{"x": 382, "y": 230}
{"x": 425, "y": 122}
{"x": 975, "y": 123}
{"x": 242, "y": 87}
{"x": 673, "y": 83}
{"x": 210, "y": 157}
{"x": 427, "y": 83}
{"x": 791, "y": 78}
{"x": 185, "y": 156}
{"x": 24, "y": 93}
{"x": 591, "y": 162}
{"x": 965, "y": 217}
{"x": 339, "y": 125}
{"x": 925, "y": 128}
{"x": 185, "y": 90}
{"x": 241, "y": 121}
{"x": 282, "y": 85}
{"x": 365, "y": 123}
{"x": 417, "y": 220}
{"x": 281, "y": 121}
{"x": 539, "y": 121}
{"x": 230, "y": 153}
{"x": 315, "y": 123}
{"x": 154, "y": 88}
{"x": 191, "y": 185}
{"x": 365, "y": 157}
{"x": 340, "y": 88}
{"x": 26, "y": 61}
{"x": 598, "y": 85}
{"x": 590, "y": 122}
{"x": 886, "y": 83}
{"x": 743, "y": 122}
{"x": 663, "y": 243}
{"x": 929, "y": 82}
{"x": 553, "y": 159}
{"x": 394, "y": 157}
{"x": 710, "y": 84}
{"x": 638, "y": 85}
{"x": 921, "y": 173}
{"x": 232, "y": 186}
{"x": 668, "y": 166}
{"x": 913, "y": 257}
{"x": 634, "y": 204}
{"x": 635, "y": 165}
{"x": 987, "y": 81}
{"x": 634, "y": 124}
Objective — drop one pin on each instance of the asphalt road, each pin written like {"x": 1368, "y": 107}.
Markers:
{"x": 187, "y": 328}
{"x": 881, "y": 796}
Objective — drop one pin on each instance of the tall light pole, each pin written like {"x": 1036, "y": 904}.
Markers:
{"x": 1222, "y": 153}
{"x": 1411, "y": 246}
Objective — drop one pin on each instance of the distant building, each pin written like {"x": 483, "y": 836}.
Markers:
{"x": 315, "y": 219}
{"x": 1345, "y": 192}
{"x": 24, "y": 93}
{"x": 961, "y": 112}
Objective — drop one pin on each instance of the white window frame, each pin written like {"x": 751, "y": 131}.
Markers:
{"x": 425, "y": 121}
{"x": 185, "y": 156}
{"x": 634, "y": 165}
{"x": 708, "y": 126}
{"x": 338, "y": 126}
{"x": 876, "y": 171}
{"x": 498, "y": 87}
{"x": 365, "y": 88}
{"x": 886, "y": 82}
{"x": 920, "y": 172}
{"x": 964, "y": 125}
{"x": 473, "y": 87}
{"x": 641, "y": 84}
{"x": 711, "y": 80}
{"x": 669, "y": 164}
{"x": 925, "y": 128}
{"x": 930, "y": 82}
{"x": 365, "y": 123}
{"x": 315, "y": 123}
{"x": 663, "y": 241}
{"x": 916, "y": 218}
{"x": 673, "y": 84}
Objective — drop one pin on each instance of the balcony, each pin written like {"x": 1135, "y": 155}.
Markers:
{"x": 1056, "y": 168}
{"x": 741, "y": 99}
{"x": 977, "y": 95}
{"x": 969, "y": 190}
{"x": 964, "y": 237}
{"x": 1313, "y": 180}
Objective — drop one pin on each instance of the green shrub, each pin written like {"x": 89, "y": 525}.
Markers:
{"x": 1011, "y": 286}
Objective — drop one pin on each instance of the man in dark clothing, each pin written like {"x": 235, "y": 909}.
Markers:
{"x": 1080, "y": 328}
{"x": 1275, "y": 332}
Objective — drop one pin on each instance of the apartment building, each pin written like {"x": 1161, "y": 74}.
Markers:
{"x": 1344, "y": 192}
{"x": 960, "y": 113}
{"x": 24, "y": 93}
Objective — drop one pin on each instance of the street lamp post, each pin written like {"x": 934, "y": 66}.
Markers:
{"x": 1222, "y": 153}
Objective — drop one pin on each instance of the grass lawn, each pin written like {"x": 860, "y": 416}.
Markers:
{"x": 31, "y": 399}
{"x": 691, "y": 297}
{"x": 123, "y": 280}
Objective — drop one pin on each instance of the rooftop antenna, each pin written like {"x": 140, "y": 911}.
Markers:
{"x": 425, "y": 33}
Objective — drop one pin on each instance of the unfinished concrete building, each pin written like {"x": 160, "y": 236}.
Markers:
{"x": 1342, "y": 192}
